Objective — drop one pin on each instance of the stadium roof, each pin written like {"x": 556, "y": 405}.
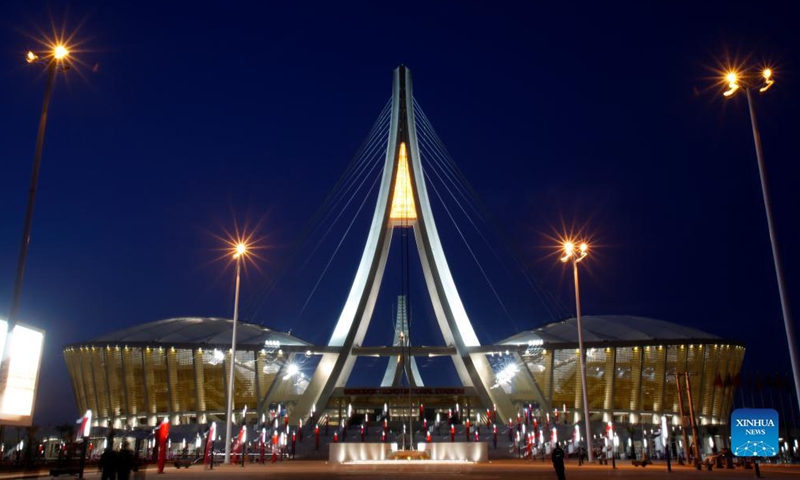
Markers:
{"x": 197, "y": 331}
{"x": 612, "y": 329}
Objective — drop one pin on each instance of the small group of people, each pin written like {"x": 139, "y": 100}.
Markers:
{"x": 117, "y": 465}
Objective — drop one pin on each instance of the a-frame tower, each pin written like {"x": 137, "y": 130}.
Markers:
{"x": 401, "y": 363}
{"x": 403, "y": 202}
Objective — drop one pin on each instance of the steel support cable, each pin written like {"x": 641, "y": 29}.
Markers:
{"x": 339, "y": 215}
{"x": 435, "y": 162}
{"x": 555, "y": 308}
{"x": 474, "y": 257}
{"x": 489, "y": 219}
{"x": 430, "y": 138}
{"x": 452, "y": 218}
{"x": 339, "y": 245}
{"x": 363, "y": 162}
{"x": 342, "y": 210}
{"x": 375, "y": 140}
{"x": 257, "y": 301}
{"x": 427, "y": 127}
{"x": 545, "y": 301}
{"x": 435, "y": 154}
{"x": 357, "y": 159}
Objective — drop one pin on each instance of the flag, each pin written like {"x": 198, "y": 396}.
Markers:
{"x": 163, "y": 436}
{"x": 212, "y": 433}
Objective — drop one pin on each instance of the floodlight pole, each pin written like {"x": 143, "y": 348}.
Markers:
{"x": 37, "y": 163}
{"x": 581, "y": 353}
{"x": 787, "y": 320}
{"x": 231, "y": 376}
{"x": 16, "y": 298}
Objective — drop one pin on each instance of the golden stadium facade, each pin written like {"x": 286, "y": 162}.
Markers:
{"x": 179, "y": 368}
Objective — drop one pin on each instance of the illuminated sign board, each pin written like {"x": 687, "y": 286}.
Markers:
{"x": 754, "y": 432}
{"x": 25, "y": 357}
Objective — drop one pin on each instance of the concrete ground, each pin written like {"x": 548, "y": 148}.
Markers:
{"x": 497, "y": 469}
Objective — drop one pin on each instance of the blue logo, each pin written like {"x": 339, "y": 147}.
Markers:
{"x": 754, "y": 432}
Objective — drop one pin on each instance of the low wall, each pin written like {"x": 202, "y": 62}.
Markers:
{"x": 354, "y": 452}
{"x": 468, "y": 451}
{"x": 454, "y": 451}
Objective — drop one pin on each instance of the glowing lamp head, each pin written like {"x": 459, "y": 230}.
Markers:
{"x": 60, "y": 52}
{"x": 767, "y": 73}
{"x": 584, "y": 248}
{"x": 733, "y": 85}
{"x": 569, "y": 248}
{"x": 31, "y": 57}
{"x": 241, "y": 249}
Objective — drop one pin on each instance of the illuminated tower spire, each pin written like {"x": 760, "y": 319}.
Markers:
{"x": 403, "y": 202}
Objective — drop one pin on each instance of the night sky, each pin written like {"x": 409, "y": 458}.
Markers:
{"x": 180, "y": 121}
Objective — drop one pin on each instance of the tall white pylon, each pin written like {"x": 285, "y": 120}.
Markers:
{"x": 397, "y": 365}
{"x": 403, "y": 202}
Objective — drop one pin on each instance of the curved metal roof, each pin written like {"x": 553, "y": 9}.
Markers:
{"x": 197, "y": 331}
{"x": 610, "y": 328}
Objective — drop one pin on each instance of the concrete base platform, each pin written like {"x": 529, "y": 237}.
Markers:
{"x": 475, "y": 452}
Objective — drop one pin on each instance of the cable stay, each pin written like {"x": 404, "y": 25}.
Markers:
{"x": 253, "y": 307}
{"x": 438, "y": 155}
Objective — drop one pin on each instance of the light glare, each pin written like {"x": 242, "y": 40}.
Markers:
{"x": 60, "y": 52}
{"x": 732, "y": 79}
{"x": 768, "y": 81}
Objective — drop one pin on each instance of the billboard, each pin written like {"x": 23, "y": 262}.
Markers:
{"x": 754, "y": 432}
{"x": 25, "y": 357}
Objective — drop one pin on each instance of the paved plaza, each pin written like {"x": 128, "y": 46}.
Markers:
{"x": 502, "y": 469}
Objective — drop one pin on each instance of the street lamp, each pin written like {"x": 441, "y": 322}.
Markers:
{"x": 56, "y": 59}
{"x": 405, "y": 341}
{"x": 239, "y": 252}
{"x": 767, "y": 76}
{"x": 576, "y": 256}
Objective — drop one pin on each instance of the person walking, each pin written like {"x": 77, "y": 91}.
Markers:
{"x": 108, "y": 464}
{"x": 125, "y": 463}
{"x": 558, "y": 462}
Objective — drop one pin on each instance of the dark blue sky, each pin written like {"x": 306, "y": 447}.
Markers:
{"x": 183, "y": 118}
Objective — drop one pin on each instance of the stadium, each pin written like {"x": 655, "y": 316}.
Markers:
{"x": 178, "y": 368}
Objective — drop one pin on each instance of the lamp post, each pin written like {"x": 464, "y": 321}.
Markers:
{"x": 56, "y": 59}
{"x": 571, "y": 255}
{"x": 405, "y": 341}
{"x": 733, "y": 84}
{"x": 241, "y": 250}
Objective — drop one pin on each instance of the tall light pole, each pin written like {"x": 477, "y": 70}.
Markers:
{"x": 576, "y": 257}
{"x": 54, "y": 60}
{"x": 241, "y": 250}
{"x": 733, "y": 84}
{"x": 405, "y": 342}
